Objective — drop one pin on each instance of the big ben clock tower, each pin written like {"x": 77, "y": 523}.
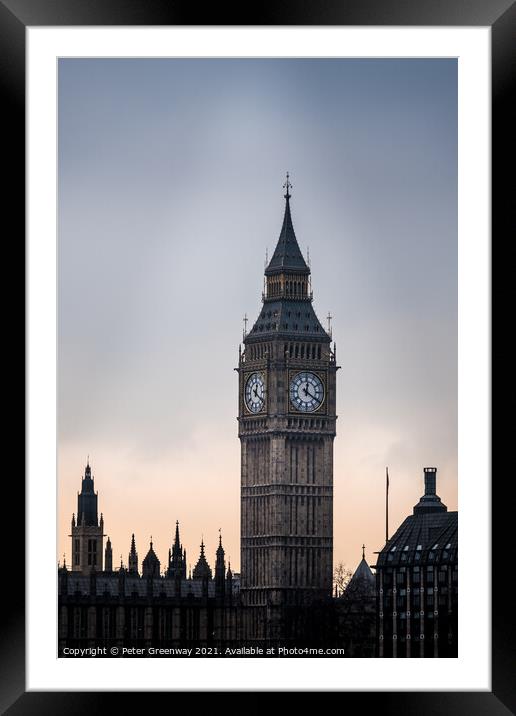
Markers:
{"x": 287, "y": 380}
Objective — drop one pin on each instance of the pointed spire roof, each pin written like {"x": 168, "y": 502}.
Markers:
{"x": 287, "y": 256}
{"x": 363, "y": 582}
{"x": 220, "y": 548}
{"x": 202, "y": 568}
{"x": 150, "y": 557}
{"x": 133, "y": 545}
{"x": 151, "y": 564}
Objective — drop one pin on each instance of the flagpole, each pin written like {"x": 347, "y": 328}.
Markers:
{"x": 386, "y": 504}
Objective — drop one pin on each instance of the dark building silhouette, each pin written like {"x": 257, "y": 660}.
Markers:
{"x": 417, "y": 582}
{"x": 123, "y": 608}
{"x": 356, "y": 613}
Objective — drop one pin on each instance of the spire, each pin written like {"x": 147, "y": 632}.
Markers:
{"x": 87, "y": 500}
{"x": 362, "y": 583}
{"x": 176, "y": 557}
{"x": 133, "y": 557}
{"x": 151, "y": 564}
{"x": 220, "y": 549}
{"x": 220, "y": 555}
{"x": 220, "y": 570}
{"x": 108, "y": 556}
{"x": 202, "y": 568}
{"x": 287, "y": 255}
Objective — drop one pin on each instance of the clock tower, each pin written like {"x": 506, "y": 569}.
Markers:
{"x": 287, "y": 381}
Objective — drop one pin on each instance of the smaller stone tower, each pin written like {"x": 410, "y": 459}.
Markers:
{"x": 87, "y": 531}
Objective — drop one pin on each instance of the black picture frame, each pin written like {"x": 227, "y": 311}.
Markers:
{"x": 500, "y": 16}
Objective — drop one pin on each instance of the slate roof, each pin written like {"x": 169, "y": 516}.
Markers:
{"x": 362, "y": 583}
{"x": 296, "y": 319}
{"x": 287, "y": 256}
{"x": 151, "y": 558}
{"x": 422, "y": 538}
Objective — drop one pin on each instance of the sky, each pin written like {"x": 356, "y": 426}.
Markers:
{"x": 170, "y": 175}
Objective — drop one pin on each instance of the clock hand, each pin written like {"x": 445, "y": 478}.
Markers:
{"x": 314, "y": 397}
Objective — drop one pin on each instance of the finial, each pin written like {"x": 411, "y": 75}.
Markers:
{"x": 308, "y": 256}
{"x": 266, "y": 256}
{"x": 220, "y": 536}
{"x": 363, "y": 551}
{"x": 151, "y": 541}
{"x": 287, "y": 185}
{"x": 329, "y": 317}
{"x": 244, "y": 320}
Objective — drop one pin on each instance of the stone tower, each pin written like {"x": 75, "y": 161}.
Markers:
{"x": 88, "y": 531}
{"x": 287, "y": 381}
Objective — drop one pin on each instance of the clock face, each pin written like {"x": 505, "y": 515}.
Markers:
{"x": 306, "y": 392}
{"x": 255, "y": 392}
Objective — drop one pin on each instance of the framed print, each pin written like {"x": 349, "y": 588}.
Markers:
{"x": 258, "y": 376}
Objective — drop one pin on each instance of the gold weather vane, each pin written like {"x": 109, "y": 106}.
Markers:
{"x": 287, "y": 185}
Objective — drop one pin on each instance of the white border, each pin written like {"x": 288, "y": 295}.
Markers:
{"x": 471, "y": 670}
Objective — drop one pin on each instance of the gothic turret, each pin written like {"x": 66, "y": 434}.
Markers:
{"x": 229, "y": 583}
{"x": 202, "y": 569}
{"x": 151, "y": 564}
{"x": 108, "y": 557}
{"x": 220, "y": 571}
{"x": 177, "y": 558}
{"x": 133, "y": 558}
